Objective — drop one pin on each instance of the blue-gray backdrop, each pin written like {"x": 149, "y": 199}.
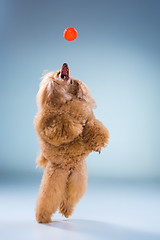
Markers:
{"x": 116, "y": 53}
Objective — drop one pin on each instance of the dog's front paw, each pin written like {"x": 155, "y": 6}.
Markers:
{"x": 98, "y": 149}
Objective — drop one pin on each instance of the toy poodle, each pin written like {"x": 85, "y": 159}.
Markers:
{"x": 67, "y": 132}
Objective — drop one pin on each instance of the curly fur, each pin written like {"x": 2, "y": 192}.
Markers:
{"x": 67, "y": 132}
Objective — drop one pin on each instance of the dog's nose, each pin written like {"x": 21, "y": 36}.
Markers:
{"x": 65, "y": 72}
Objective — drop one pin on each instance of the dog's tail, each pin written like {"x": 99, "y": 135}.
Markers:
{"x": 41, "y": 161}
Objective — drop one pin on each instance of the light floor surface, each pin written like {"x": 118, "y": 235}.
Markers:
{"x": 111, "y": 211}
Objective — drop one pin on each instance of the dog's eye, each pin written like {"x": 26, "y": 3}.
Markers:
{"x": 71, "y": 81}
{"x": 58, "y": 73}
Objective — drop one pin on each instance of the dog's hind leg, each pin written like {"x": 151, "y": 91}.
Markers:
{"x": 76, "y": 187}
{"x": 51, "y": 191}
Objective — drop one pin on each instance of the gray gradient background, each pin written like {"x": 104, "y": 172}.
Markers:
{"x": 117, "y": 54}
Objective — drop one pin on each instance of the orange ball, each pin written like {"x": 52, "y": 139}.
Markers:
{"x": 70, "y": 34}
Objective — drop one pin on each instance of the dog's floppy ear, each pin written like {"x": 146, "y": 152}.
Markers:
{"x": 81, "y": 92}
{"x": 41, "y": 96}
{"x": 84, "y": 93}
{"x": 43, "y": 89}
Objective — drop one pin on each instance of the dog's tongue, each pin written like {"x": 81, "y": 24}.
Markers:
{"x": 65, "y": 72}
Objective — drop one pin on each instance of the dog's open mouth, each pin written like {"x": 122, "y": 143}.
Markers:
{"x": 65, "y": 72}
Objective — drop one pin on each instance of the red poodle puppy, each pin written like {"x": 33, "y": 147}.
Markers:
{"x": 67, "y": 131}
